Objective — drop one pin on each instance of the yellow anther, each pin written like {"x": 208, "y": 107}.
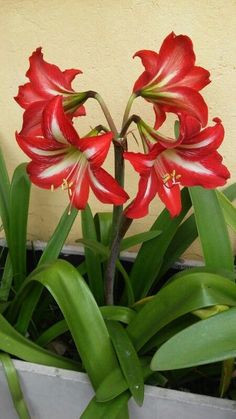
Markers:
{"x": 52, "y": 188}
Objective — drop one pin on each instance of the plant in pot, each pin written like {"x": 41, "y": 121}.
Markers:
{"x": 123, "y": 326}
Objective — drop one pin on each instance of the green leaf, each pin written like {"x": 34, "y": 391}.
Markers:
{"x": 181, "y": 296}
{"x": 52, "y": 333}
{"x": 50, "y": 253}
{"x": 230, "y": 192}
{"x": 226, "y": 375}
{"x": 82, "y": 315}
{"x": 213, "y": 340}
{"x": 128, "y": 359}
{"x": 15, "y": 344}
{"x": 149, "y": 259}
{"x": 59, "y": 236}
{"x": 14, "y": 386}
{"x": 212, "y": 229}
{"x": 183, "y": 238}
{"x": 92, "y": 260}
{"x": 18, "y": 215}
{"x": 119, "y": 313}
{"x": 138, "y": 238}
{"x": 114, "y": 409}
{"x": 6, "y": 280}
{"x": 4, "y": 195}
{"x": 229, "y": 210}
{"x": 115, "y": 383}
{"x": 103, "y": 224}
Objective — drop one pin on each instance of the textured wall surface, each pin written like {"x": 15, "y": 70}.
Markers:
{"x": 100, "y": 37}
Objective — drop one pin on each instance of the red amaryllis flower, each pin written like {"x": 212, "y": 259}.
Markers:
{"x": 171, "y": 80}
{"x": 62, "y": 158}
{"x": 194, "y": 161}
{"x": 46, "y": 81}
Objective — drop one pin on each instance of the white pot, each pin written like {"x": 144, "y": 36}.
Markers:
{"x": 53, "y": 393}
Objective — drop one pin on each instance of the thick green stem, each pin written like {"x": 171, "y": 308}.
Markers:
{"x": 111, "y": 264}
{"x": 119, "y": 224}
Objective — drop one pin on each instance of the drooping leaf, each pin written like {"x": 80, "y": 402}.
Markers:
{"x": 17, "y": 345}
{"x": 82, "y": 315}
{"x": 128, "y": 360}
{"x": 213, "y": 340}
{"x": 181, "y": 296}
{"x": 6, "y": 280}
{"x": 113, "y": 409}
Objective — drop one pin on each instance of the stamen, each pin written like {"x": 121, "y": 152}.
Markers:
{"x": 52, "y": 188}
{"x": 172, "y": 178}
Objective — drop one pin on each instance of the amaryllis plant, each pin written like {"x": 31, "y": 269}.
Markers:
{"x": 122, "y": 319}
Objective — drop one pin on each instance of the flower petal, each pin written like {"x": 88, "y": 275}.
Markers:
{"x": 141, "y": 162}
{"x": 48, "y": 78}
{"x": 178, "y": 99}
{"x": 27, "y": 95}
{"x": 56, "y": 125}
{"x": 106, "y": 188}
{"x": 197, "y": 78}
{"x": 208, "y": 172}
{"x": 96, "y": 148}
{"x": 176, "y": 59}
{"x": 79, "y": 191}
{"x": 147, "y": 190}
{"x": 150, "y": 62}
{"x": 39, "y": 148}
{"x": 171, "y": 197}
{"x": 203, "y": 143}
{"x": 32, "y": 119}
{"x": 54, "y": 171}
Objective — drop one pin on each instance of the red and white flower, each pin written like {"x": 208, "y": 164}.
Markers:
{"x": 192, "y": 162}
{"x": 46, "y": 81}
{"x": 171, "y": 81}
{"x": 61, "y": 158}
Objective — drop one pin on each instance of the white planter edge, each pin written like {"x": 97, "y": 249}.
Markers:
{"x": 61, "y": 394}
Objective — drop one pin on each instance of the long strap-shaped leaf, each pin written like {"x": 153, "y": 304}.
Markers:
{"x": 114, "y": 409}
{"x": 4, "y": 195}
{"x": 150, "y": 256}
{"x": 82, "y": 316}
{"x": 229, "y": 210}
{"x": 51, "y": 252}
{"x": 18, "y": 216}
{"x": 207, "y": 341}
{"x": 17, "y": 345}
{"x": 212, "y": 229}
{"x": 183, "y": 295}
{"x": 14, "y": 387}
{"x": 128, "y": 359}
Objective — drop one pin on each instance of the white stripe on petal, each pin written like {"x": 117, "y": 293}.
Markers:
{"x": 57, "y": 132}
{"x": 186, "y": 164}
{"x": 201, "y": 144}
{"x": 97, "y": 184}
{"x": 48, "y": 153}
{"x": 70, "y": 160}
{"x": 89, "y": 152}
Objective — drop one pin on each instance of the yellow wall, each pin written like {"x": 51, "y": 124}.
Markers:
{"x": 100, "y": 38}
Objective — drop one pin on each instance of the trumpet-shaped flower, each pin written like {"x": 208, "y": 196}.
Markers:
{"x": 61, "y": 158}
{"x": 171, "y": 81}
{"x": 46, "y": 81}
{"x": 192, "y": 162}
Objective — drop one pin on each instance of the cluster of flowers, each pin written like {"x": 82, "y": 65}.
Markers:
{"x": 60, "y": 157}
